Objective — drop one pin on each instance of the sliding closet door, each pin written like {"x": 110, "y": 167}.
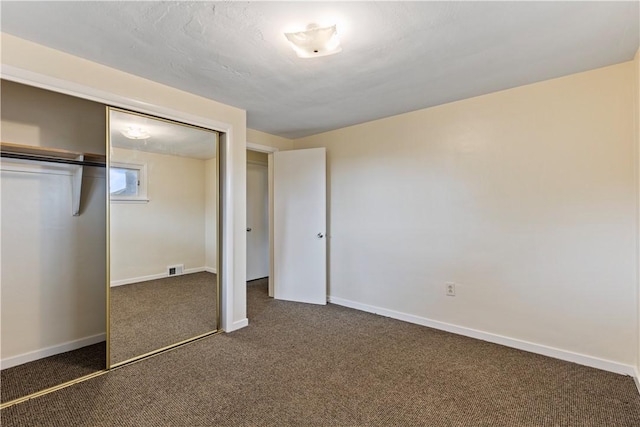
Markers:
{"x": 53, "y": 262}
{"x": 163, "y": 234}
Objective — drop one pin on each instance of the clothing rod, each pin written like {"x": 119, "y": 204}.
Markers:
{"x": 47, "y": 159}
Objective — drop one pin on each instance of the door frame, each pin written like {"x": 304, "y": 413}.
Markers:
{"x": 269, "y": 150}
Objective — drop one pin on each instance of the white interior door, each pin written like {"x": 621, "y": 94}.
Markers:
{"x": 299, "y": 225}
{"x": 257, "y": 221}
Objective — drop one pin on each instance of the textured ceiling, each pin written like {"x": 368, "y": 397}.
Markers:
{"x": 397, "y": 56}
{"x": 164, "y": 137}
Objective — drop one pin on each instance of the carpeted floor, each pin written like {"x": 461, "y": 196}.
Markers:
{"x": 38, "y": 375}
{"x": 305, "y": 365}
{"x": 150, "y": 315}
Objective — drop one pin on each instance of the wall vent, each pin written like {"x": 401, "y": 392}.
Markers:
{"x": 175, "y": 270}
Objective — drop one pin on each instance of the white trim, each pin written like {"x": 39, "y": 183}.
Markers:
{"x": 43, "y": 81}
{"x": 227, "y": 272}
{"x": 141, "y": 197}
{"x": 261, "y": 148}
{"x": 272, "y": 276}
{"x": 636, "y": 378}
{"x": 29, "y": 166}
{"x": 569, "y": 356}
{"x": 20, "y": 359}
{"x": 257, "y": 163}
{"x": 19, "y": 75}
{"x": 269, "y": 150}
{"x": 193, "y": 270}
{"x": 238, "y": 324}
{"x": 211, "y": 270}
{"x": 129, "y": 201}
{"x": 131, "y": 280}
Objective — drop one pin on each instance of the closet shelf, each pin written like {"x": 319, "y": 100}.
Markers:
{"x": 55, "y": 155}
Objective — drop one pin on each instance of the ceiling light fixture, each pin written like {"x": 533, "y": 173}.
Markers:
{"x": 136, "y": 132}
{"x": 315, "y": 41}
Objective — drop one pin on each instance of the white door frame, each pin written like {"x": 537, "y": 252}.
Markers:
{"x": 66, "y": 87}
{"x": 269, "y": 150}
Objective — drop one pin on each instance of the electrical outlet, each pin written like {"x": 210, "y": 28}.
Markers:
{"x": 451, "y": 289}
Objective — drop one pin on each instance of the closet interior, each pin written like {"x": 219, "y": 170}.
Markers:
{"x": 53, "y": 239}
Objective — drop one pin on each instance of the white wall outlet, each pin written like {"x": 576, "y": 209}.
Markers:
{"x": 451, "y": 289}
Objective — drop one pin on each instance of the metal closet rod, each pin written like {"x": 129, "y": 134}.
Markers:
{"x": 49, "y": 159}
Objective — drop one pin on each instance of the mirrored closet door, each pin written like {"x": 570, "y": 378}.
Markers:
{"x": 163, "y": 234}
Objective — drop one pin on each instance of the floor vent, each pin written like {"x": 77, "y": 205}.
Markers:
{"x": 175, "y": 270}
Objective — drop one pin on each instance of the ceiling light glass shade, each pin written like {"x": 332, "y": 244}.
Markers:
{"x": 133, "y": 132}
{"x": 315, "y": 41}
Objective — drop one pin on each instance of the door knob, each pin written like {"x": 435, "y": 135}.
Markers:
{"x": 249, "y": 229}
{"x": 320, "y": 235}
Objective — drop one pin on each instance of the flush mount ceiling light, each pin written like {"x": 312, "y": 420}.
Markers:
{"x": 315, "y": 41}
{"x": 136, "y": 132}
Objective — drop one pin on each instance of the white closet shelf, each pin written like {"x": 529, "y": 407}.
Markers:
{"x": 9, "y": 147}
{"x": 75, "y": 159}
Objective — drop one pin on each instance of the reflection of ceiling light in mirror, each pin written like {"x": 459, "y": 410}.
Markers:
{"x": 136, "y": 132}
{"x": 315, "y": 41}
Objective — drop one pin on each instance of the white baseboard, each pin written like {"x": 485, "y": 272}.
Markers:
{"x": 193, "y": 270}
{"x": 131, "y": 280}
{"x": 211, "y": 270}
{"x": 581, "y": 359}
{"x": 12, "y": 361}
{"x": 159, "y": 276}
{"x": 636, "y": 378}
{"x": 238, "y": 324}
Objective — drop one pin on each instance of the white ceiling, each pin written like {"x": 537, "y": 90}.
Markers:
{"x": 165, "y": 137}
{"x": 397, "y": 56}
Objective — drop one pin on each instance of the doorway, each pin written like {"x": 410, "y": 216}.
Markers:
{"x": 259, "y": 169}
{"x": 257, "y": 215}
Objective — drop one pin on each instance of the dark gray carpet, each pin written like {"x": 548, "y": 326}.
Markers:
{"x": 38, "y": 375}
{"x": 304, "y": 365}
{"x": 150, "y": 315}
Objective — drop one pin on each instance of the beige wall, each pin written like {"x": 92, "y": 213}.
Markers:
{"x": 54, "y": 66}
{"x": 40, "y": 117}
{"x": 636, "y": 61}
{"x": 146, "y": 238}
{"x": 53, "y": 263}
{"x": 525, "y": 198}
{"x": 262, "y": 138}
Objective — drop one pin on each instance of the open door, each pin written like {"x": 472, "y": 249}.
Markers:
{"x": 299, "y": 225}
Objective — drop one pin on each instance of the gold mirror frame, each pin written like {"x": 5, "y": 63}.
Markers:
{"x": 218, "y": 227}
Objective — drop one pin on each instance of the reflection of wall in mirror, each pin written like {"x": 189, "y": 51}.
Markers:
{"x": 53, "y": 280}
{"x": 174, "y": 227}
{"x": 211, "y": 225}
